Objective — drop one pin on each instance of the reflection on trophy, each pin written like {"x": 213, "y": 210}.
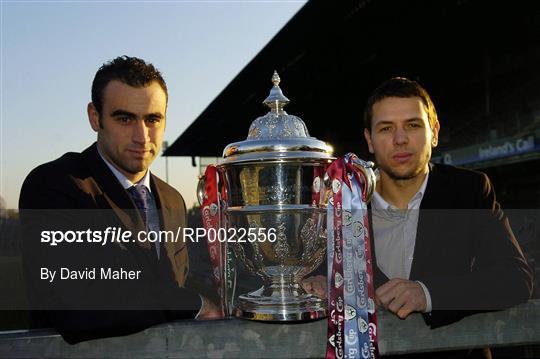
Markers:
{"x": 275, "y": 191}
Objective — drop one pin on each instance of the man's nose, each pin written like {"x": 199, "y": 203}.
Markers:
{"x": 140, "y": 132}
{"x": 401, "y": 137}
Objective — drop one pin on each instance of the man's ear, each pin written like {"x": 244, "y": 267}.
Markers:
{"x": 435, "y": 134}
{"x": 93, "y": 117}
{"x": 367, "y": 136}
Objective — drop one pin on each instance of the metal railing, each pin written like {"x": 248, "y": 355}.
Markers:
{"x": 244, "y": 339}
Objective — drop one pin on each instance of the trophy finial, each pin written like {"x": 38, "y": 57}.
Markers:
{"x": 276, "y": 100}
{"x": 275, "y": 78}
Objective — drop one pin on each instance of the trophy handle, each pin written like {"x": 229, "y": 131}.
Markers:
{"x": 365, "y": 168}
{"x": 370, "y": 180}
{"x": 201, "y": 192}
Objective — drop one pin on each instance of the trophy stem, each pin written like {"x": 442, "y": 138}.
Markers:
{"x": 280, "y": 299}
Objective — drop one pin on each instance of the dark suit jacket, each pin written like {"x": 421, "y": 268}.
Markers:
{"x": 79, "y": 192}
{"x": 465, "y": 252}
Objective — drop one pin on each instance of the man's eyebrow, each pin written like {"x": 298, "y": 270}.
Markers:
{"x": 381, "y": 123}
{"x": 154, "y": 115}
{"x": 123, "y": 113}
{"x": 414, "y": 119}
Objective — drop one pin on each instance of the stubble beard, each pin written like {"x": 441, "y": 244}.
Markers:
{"x": 135, "y": 167}
{"x": 411, "y": 174}
{"x": 401, "y": 177}
{"x": 127, "y": 166}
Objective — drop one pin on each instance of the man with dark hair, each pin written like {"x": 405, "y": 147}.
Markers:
{"x": 442, "y": 245}
{"x": 108, "y": 187}
{"x": 128, "y": 70}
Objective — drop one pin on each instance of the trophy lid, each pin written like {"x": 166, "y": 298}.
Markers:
{"x": 277, "y": 136}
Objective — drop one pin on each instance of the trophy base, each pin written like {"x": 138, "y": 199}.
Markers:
{"x": 280, "y": 308}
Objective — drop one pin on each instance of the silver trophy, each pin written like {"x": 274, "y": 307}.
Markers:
{"x": 276, "y": 192}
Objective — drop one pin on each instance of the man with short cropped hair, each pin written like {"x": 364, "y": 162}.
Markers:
{"x": 443, "y": 247}
{"x": 109, "y": 187}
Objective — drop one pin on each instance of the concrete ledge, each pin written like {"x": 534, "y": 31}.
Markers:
{"x": 243, "y": 339}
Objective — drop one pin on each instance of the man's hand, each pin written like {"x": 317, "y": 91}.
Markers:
{"x": 315, "y": 285}
{"x": 209, "y": 311}
{"x": 401, "y": 297}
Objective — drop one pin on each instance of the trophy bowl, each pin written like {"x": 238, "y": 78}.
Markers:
{"x": 275, "y": 195}
{"x": 275, "y": 202}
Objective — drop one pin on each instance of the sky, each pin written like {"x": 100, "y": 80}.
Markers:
{"x": 50, "y": 51}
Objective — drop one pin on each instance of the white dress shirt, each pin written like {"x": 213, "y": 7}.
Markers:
{"x": 395, "y": 236}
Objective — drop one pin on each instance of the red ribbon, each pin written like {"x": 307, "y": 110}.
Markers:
{"x": 211, "y": 216}
{"x": 336, "y": 303}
